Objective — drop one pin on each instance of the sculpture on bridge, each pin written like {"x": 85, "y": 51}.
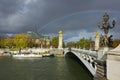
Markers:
{"x": 103, "y": 40}
{"x": 97, "y": 41}
{"x": 106, "y": 26}
{"x": 110, "y": 40}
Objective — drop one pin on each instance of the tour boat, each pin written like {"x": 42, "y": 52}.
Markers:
{"x": 27, "y": 55}
{"x": 48, "y": 55}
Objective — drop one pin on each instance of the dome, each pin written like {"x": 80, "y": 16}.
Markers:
{"x": 60, "y": 32}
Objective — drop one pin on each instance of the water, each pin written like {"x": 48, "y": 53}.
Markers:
{"x": 42, "y": 69}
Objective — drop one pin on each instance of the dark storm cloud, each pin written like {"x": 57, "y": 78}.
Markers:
{"x": 8, "y": 7}
{"x": 82, "y": 24}
{"x": 32, "y": 15}
{"x": 87, "y": 20}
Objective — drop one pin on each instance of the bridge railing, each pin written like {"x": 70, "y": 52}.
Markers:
{"x": 87, "y": 52}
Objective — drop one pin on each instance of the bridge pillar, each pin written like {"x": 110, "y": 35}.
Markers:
{"x": 60, "y": 45}
{"x": 101, "y": 63}
{"x": 101, "y": 53}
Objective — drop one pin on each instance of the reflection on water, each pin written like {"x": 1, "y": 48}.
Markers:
{"x": 41, "y": 69}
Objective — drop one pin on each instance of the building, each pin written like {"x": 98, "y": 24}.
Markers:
{"x": 37, "y": 40}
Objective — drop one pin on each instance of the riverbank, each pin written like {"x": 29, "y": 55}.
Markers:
{"x": 38, "y": 51}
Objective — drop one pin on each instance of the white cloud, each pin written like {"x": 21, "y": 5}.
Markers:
{"x": 29, "y": 1}
{"x": 24, "y": 15}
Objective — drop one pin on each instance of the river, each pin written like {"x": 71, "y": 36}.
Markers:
{"x": 49, "y": 68}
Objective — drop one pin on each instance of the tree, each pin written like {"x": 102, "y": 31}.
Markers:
{"x": 63, "y": 44}
{"x": 116, "y": 42}
{"x": 84, "y": 43}
{"x": 31, "y": 43}
{"x": 20, "y": 40}
{"x": 54, "y": 42}
{"x": 1, "y": 42}
{"x": 71, "y": 44}
{"x": 8, "y": 42}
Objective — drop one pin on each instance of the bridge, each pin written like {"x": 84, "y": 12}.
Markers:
{"x": 103, "y": 64}
{"x": 89, "y": 59}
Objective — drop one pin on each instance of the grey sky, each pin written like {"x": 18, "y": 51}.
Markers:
{"x": 32, "y": 15}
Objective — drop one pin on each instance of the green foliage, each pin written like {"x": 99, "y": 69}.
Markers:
{"x": 84, "y": 43}
{"x": 20, "y": 41}
{"x": 71, "y": 44}
{"x": 54, "y": 42}
{"x": 116, "y": 42}
{"x": 1, "y": 42}
{"x": 63, "y": 44}
{"x": 6, "y": 42}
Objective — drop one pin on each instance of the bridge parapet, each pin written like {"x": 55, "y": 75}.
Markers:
{"x": 87, "y": 52}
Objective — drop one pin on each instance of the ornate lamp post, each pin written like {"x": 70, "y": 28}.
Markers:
{"x": 106, "y": 26}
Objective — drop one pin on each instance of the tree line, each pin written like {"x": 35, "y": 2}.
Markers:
{"x": 17, "y": 41}
{"x": 87, "y": 43}
{"x": 23, "y": 41}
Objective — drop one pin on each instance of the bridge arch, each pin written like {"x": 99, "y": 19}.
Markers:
{"x": 86, "y": 61}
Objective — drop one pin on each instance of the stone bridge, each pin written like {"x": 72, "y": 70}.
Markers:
{"x": 87, "y": 57}
{"x": 103, "y": 64}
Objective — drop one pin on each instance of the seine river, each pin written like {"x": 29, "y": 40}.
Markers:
{"x": 51, "y": 68}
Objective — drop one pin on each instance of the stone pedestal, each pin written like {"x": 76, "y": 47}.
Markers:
{"x": 101, "y": 53}
{"x": 113, "y": 64}
{"x": 57, "y": 52}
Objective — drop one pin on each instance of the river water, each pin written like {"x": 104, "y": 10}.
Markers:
{"x": 49, "y": 68}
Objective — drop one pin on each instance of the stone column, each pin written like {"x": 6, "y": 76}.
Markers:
{"x": 96, "y": 41}
{"x": 60, "y": 46}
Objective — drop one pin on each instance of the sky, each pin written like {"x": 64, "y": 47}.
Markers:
{"x": 76, "y": 18}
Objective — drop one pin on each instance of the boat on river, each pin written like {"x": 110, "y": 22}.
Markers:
{"x": 27, "y": 55}
{"x": 48, "y": 55}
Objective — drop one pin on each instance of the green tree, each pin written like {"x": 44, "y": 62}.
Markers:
{"x": 54, "y": 42}
{"x": 1, "y": 42}
{"x": 71, "y": 44}
{"x": 116, "y": 42}
{"x": 20, "y": 40}
{"x": 31, "y": 43}
{"x": 63, "y": 44}
{"x": 84, "y": 43}
{"x": 8, "y": 42}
